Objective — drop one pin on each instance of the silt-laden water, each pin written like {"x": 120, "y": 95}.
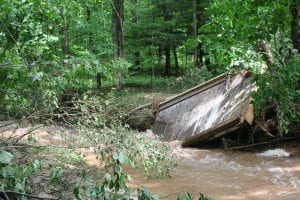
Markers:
{"x": 230, "y": 175}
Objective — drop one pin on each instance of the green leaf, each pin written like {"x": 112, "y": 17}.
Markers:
{"x": 52, "y": 38}
{"x": 122, "y": 157}
{"x": 54, "y": 174}
{"x": 77, "y": 192}
{"x": 19, "y": 187}
{"x": 129, "y": 178}
{"x": 36, "y": 165}
{"x": 6, "y": 157}
{"x": 185, "y": 196}
{"x": 107, "y": 177}
{"x": 115, "y": 156}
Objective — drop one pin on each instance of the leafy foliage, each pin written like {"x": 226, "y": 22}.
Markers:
{"x": 16, "y": 177}
{"x": 119, "y": 71}
{"x": 233, "y": 42}
{"x": 191, "y": 78}
{"x": 279, "y": 86}
{"x": 188, "y": 196}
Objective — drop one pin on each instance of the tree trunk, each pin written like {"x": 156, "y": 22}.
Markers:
{"x": 99, "y": 76}
{"x": 295, "y": 35}
{"x": 175, "y": 60}
{"x": 137, "y": 56}
{"x": 168, "y": 60}
{"x": 117, "y": 27}
{"x": 159, "y": 53}
{"x": 64, "y": 34}
{"x": 186, "y": 57}
{"x": 195, "y": 32}
{"x": 90, "y": 35}
{"x": 135, "y": 19}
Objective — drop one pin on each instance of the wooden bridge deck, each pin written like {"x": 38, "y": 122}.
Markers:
{"x": 206, "y": 111}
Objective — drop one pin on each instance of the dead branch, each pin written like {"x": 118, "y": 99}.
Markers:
{"x": 29, "y": 132}
{"x": 139, "y": 108}
{"x": 5, "y": 192}
{"x": 264, "y": 129}
{"x": 10, "y": 136}
{"x": 262, "y": 143}
{"x": 8, "y": 124}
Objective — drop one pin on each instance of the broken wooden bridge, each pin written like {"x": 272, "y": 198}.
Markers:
{"x": 206, "y": 111}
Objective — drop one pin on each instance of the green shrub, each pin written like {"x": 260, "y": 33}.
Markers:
{"x": 279, "y": 85}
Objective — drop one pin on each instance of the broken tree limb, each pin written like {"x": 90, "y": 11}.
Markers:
{"x": 29, "y": 132}
{"x": 5, "y": 192}
{"x": 148, "y": 105}
{"x": 265, "y": 130}
{"x": 8, "y": 124}
{"x": 262, "y": 143}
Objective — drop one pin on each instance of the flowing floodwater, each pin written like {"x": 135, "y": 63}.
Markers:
{"x": 227, "y": 175}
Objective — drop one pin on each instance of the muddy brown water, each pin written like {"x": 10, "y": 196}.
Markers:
{"x": 229, "y": 176}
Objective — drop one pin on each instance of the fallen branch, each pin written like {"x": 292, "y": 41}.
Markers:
{"x": 5, "y": 192}
{"x": 139, "y": 108}
{"x": 6, "y": 141}
{"x": 29, "y": 132}
{"x": 8, "y": 124}
{"x": 264, "y": 129}
{"x": 262, "y": 143}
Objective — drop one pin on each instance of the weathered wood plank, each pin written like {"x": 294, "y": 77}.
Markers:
{"x": 221, "y": 129}
{"x": 193, "y": 91}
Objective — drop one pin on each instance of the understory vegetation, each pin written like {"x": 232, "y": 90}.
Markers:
{"x": 85, "y": 65}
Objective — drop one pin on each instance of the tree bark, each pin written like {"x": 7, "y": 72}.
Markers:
{"x": 175, "y": 60}
{"x": 64, "y": 34}
{"x": 90, "y": 34}
{"x": 201, "y": 54}
{"x": 137, "y": 56}
{"x": 167, "y": 46}
{"x": 117, "y": 27}
{"x": 186, "y": 57}
{"x": 159, "y": 53}
{"x": 295, "y": 35}
{"x": 168, "y": 60}
{"x": 135, "y": 19}
{"x": 195, "y": 32}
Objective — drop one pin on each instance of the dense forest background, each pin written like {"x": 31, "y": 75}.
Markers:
{"x": 84, "y": 63}
{"x": 49, "y": 47}
{"x": 53, "y": 47}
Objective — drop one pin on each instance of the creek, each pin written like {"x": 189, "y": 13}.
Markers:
{"x": 228, "y": 175}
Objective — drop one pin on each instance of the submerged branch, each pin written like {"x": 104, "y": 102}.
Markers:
{"x": 262, "y": 143}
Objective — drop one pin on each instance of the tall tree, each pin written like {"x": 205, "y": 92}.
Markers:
{"x": 117, "y": 27}
{"x": 175, "y": 60}
{"x": 90, "y": 33}
{"x": 195, "y": 31}
{"x": 64, "y": 33}
{"x": 295, "y": 34}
